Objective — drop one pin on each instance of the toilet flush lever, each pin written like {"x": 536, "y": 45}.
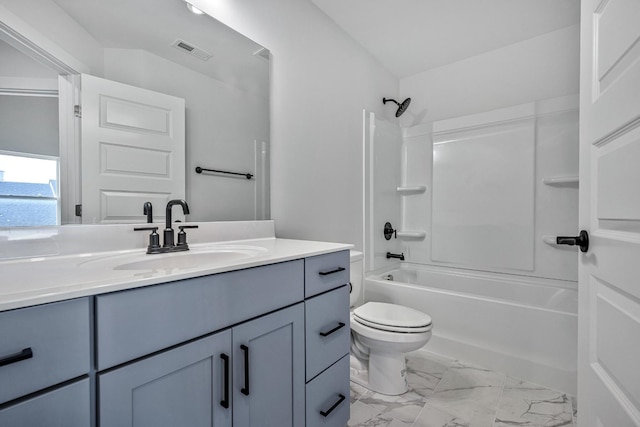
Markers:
{"x": 582, "y": 240}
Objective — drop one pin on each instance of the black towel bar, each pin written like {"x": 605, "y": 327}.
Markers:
{"x": 246, "y": 175}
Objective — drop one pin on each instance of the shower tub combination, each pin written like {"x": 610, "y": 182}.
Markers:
{"x": 525, "y": 327}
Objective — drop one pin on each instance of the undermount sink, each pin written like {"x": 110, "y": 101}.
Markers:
{"x": 196, "y": 257}
{"x": 193, "y": 259}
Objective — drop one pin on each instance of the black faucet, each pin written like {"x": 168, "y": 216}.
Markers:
{"x": 168, "y": 231}
{"x": 169, "y": 242}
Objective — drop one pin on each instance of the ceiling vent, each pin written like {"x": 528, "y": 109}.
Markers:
{"x": 262, "y": 53}
{"x": 191, "y": 50}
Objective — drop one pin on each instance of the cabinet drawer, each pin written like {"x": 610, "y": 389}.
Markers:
{"x": 137, "y": 322}
{"x": 325, "y": 272}
{"x": 327, "y": 329}
{"x": 40, "y": 338}
{"x": 67, "y": 406}
{"x": 328, "y": 396}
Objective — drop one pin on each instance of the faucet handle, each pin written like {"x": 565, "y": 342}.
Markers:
{"x": 147, "y": 209}
{"x": 182, "y": 235}
{"x": 154, "y": 239}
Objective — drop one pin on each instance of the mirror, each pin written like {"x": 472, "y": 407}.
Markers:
{"x": 161, "y": 45}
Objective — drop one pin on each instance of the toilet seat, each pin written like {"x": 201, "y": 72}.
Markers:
{"x": 392, "y": 318}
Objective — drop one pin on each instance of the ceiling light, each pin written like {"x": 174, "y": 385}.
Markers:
{"x": 194, "y": 9}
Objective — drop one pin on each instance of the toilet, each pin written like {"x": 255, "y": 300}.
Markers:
{"x": 381, "y": 334}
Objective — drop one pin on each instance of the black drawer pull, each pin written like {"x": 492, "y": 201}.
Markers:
{"x": 326, "y": 273}
{"x": 17, "y": 357}
{"x": 335, "y": 405}
{"x": 225, "y": 400}
{"x": 326, "y": 334}
{"x": 245, "y": 390}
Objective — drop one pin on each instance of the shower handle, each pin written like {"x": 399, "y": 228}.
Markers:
{"x": 389, "y": 231}
{"x": 581, "y": 241}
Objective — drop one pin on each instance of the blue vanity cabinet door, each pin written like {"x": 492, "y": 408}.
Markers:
{"x": 270, "y": 349}
{"x": 184, "y": 386}
{"x": 325, "y": 272}
{"x": 67, "y": 406}
{"x": 327, "y": 329}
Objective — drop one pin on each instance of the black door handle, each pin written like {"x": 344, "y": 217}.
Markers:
{"x": 245, "y": 390}
{"x": 335, "y": 405}
{"x": 17, "y": 357}
{"x": 326, "y": 334}
{"x": 225, "y": 400}
{"x": 582, "y": 240}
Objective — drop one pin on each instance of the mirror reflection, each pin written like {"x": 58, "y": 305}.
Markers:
{"x": 158, "y": 47}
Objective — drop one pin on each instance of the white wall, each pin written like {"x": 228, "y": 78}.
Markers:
{"x": 539, "y": 68}
{"x": 321, "y": 81}
{"x": 46, "y": 24}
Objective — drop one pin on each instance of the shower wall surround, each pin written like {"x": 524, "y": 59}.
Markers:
{"x": 483, "y": 194}
{"x": 500, "y": 186}
{"x": 382, "y": 142}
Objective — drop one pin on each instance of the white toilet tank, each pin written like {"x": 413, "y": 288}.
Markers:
{"x": 356, "y": 273}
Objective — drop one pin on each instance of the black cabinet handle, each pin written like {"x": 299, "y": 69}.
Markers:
{"x": 17, "y": 357}
{"x": 335, "y": 405}
{"x": 225, "y": 400}
{"x": 245, "y": 390}
{"x": 337, "y": 270}
{"x": 582, "y": 240}
{"x": 326, "y": 334}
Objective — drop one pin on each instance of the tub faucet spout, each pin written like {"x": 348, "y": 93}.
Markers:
{"x": 398, "y": 256}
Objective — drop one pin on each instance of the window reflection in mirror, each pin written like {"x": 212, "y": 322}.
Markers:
{"x": 28, "y": 190}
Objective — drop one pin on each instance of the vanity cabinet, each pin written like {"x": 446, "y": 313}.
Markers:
{"x": 205, "y": 351}
{"x": 251, "y": 374}
{"x": 263, "y": 346}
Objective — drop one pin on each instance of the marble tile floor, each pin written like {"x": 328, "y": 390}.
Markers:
{"x": 444, "y": 392}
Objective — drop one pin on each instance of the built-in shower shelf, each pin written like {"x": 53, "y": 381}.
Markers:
{"x": 412, "y": 189}
{"x": 411, "y": 235}
{"x": 560, "y": 180}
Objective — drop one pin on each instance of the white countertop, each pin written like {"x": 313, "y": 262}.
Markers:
{"x": 37, "y": 280}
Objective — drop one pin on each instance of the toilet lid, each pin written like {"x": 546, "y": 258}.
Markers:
{"x": 392, "y": 317}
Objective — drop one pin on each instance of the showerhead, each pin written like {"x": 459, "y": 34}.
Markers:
{"x": 401, "y": 107}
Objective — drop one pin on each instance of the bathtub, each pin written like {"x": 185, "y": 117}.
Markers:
{"x": 523, "y": 326}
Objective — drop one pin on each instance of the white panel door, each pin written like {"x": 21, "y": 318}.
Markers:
{"x": 609, "y": 313}
{"x": 133, "y": 151}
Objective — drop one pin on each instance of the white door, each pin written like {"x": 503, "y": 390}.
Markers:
{"x": 609, "y": 317}
{"x": 133, "y": 151}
